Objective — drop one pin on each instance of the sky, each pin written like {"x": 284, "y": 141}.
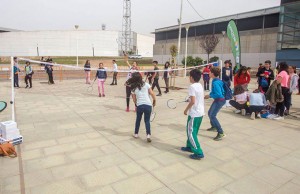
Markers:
{"x": 147, "y": 15}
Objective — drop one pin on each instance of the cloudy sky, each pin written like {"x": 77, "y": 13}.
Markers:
{"x": 147, "y": 15}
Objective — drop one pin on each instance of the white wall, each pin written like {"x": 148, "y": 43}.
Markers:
{"x": 145, "y": 45}
{"x": 63, "y": 43}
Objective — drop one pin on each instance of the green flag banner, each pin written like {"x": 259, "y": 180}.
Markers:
{"x": 233, "y": 35}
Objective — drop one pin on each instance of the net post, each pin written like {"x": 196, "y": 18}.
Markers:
{"x": 60, "y": 73}
{"x": 12, "y": 102}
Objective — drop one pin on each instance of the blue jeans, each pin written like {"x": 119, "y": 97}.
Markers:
{"x": 212, "y": 114}
{"x": 143, "y": 109}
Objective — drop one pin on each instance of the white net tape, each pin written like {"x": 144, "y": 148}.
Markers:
{"x": 111, "y": 70}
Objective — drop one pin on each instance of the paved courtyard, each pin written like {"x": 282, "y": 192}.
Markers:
{"x": 76, "y": 142}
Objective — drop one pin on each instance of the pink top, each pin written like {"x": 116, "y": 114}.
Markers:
{"x": 241, "y": 97}
{"x": 285, "y": 78}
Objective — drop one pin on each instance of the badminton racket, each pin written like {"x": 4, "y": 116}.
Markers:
{"x": 91, "y": 87}
{"x": 153, "y": 114}
{"x": 3, "y": 105}
{"x": 172, "y": 103}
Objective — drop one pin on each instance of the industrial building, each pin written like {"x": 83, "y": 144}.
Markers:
{"x": 64, "y": 43}
{"x": 262, "y": 35}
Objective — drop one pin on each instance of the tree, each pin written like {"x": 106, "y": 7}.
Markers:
{"x": 214, "y": 59}
{"x": 198, "y": 61}
{"x": 173, "y": 52}
{"x": 190, "y": 61}
{"x": 209, "y": 43}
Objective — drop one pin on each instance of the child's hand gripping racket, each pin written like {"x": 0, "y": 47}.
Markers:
{"x": 171, "y": 103}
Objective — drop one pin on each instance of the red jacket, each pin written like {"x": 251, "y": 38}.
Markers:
{"x": 206, "y": 70}
{"x": 243, "y": 79}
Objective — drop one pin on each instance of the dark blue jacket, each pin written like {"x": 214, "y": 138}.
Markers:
{"x": 101, "y": 74}
{"x": 224, "y": 76}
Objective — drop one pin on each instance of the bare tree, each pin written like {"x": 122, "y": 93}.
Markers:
{"x": 209, "y": 43}
{"x": 173, "y": 52}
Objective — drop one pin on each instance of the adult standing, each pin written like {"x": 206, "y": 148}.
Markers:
{"x": 28, "y": 76}
{"x": 49, "y": 70}
{"x": 283, "y": 79}
{"x": 115, "y": 66}
{"x": 227, "y": 73}
{"x": 155, "y": 78}
{"x": 16, "y": 72}
{"x": 87, "y": 69}
{"x": 166, "y": 75}
{"x": 265, "y": 75}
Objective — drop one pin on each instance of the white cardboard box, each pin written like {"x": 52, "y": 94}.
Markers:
{"x": 8, "y": 125}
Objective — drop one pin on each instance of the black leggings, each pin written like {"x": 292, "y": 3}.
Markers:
{"x": 256, "y": 109}
{"x": 156, "y": 84}
{"x": 206, "y": 84}
{"x": 128, "y": 93}
{"x": 280, "y": 105}
{"x": 237, "y": 105}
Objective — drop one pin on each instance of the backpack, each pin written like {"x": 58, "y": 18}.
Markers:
{"x": 263, "y": 82}
{"x": 227, "y": 91}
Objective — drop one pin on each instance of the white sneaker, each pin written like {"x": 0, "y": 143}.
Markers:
{"x": 258, "y": 115}
{"x": 135, "y": 135}
{"x": 252, "y": 116}
{"x": 149, "y": 138}
{"x": 272, "y": 116}
{"x": 279, "y": 118}
{"x": 243, "y": 112}
{"x": 237, "y": 111}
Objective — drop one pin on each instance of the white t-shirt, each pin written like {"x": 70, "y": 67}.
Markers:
{"x": 115, "y": 67}
{"x": 142, "y": 96}
{"x": 197, "y": 109}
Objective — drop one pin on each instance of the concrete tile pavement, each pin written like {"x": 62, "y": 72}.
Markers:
{"x": 76, "y": 142}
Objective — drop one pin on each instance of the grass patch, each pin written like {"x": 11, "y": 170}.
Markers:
{"x": 81, "y": 60}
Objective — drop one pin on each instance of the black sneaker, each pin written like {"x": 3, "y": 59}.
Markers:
{"x": 197, "y": 156}
{"x": 212, "y": 129}
{"x": 27, "y": 86}
{"x": 219, "y": 136}
{"x": 112, "y": 84}
{"x": 186, "y": 149}
{"x": 158, "y": 95}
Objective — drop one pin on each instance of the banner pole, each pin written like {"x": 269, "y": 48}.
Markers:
{"x": 221, "y": 66}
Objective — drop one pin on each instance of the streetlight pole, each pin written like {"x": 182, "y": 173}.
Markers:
{"x": 179, "y": 40}
{"x": 162, "y": 54}
{"x": 76, "y": 27}
{"x": 179, "y": 36}
{"x": 186, "y": 47}
{"x": 93, "y": 50}
{"x": 223, "y": 32}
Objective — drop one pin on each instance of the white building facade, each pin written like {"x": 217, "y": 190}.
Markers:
{"x": 64, "y": 43}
